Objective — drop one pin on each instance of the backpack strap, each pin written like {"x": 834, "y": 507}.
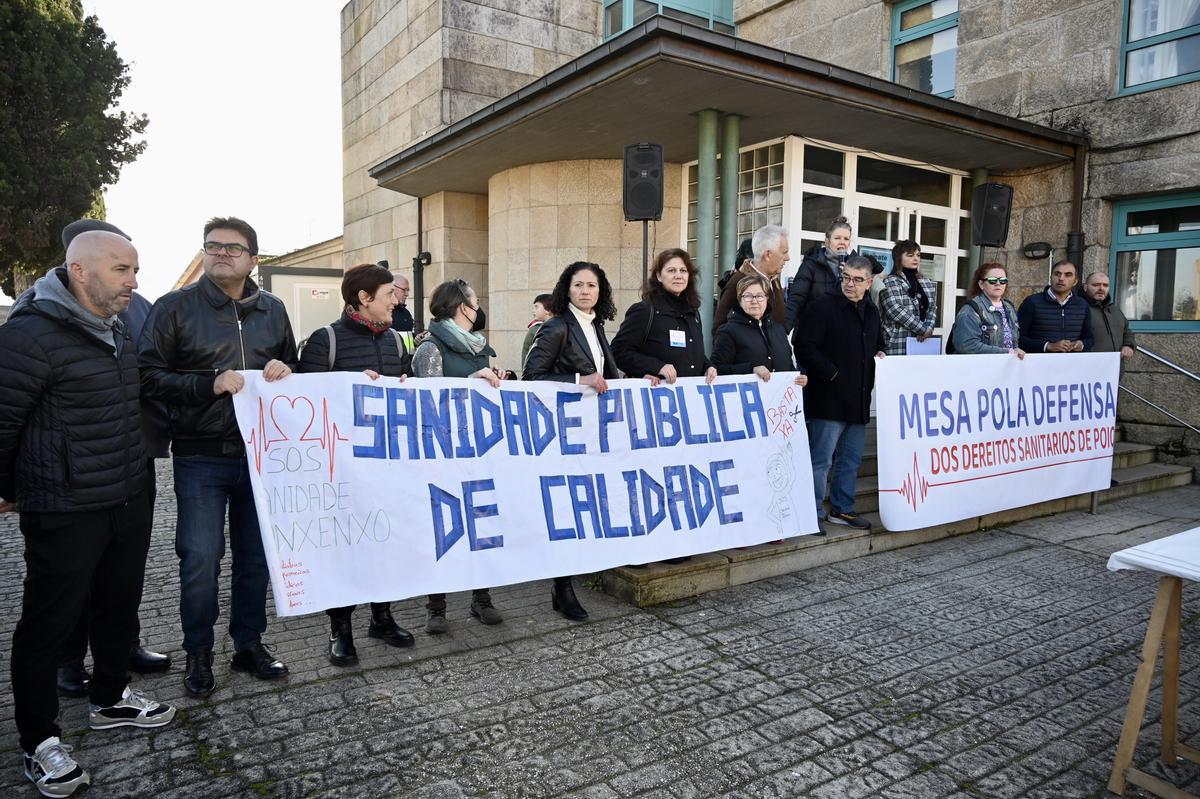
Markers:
{"x": 401, "y": 348}
{"x": 332, "y": 346}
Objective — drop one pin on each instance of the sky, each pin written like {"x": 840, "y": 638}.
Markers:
{"x": 244, "y": 102}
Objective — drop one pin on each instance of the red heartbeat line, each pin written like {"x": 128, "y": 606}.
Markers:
{"x": 261, "y": 439}
{"x": 915, "y": 487}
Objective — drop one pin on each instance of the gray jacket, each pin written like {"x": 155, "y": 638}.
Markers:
{"x": 973, "y": 336}
{"x": 1110, "y": 328}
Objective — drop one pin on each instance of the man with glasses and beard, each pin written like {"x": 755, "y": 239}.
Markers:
{"x": 837, "y": 341}
{"x": 196, "y": 340}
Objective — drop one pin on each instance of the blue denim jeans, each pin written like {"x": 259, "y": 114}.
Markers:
{"x": 205, "y": 487}
{"x": 840, "y": 444}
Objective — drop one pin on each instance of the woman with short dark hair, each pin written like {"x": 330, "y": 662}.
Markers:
{"x": 908, "y": 301}
{"x": 571, "y": 347}
{"x": 362, "y": 341}
{"x": 456, "y": 348}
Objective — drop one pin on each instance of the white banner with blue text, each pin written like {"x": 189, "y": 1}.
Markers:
{"x": 375, "y": 490}
{"x": 967, "y": 435}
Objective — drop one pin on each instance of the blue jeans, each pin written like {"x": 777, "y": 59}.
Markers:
{"x": 204, "y": 487}
{"x": 840, "y": 444}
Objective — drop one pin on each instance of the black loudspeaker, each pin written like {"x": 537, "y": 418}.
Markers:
{"x": 642, "y": 184}
{"x": 991, "y": 206}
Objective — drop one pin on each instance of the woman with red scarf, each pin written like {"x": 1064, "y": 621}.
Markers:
{"x": 363, "y": 341}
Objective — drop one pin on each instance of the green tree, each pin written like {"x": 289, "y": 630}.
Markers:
{"x": 61, "y": 138}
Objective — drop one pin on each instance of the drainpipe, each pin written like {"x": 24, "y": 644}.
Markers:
{"x": 1075, "y": 238}
{"x": 420, "y": 261}
{"x": 975, "y": 254}
{"x": 706, "y": 212}
{"x": 730, "y": 141}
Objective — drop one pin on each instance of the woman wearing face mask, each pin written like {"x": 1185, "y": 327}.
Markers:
{"x": 820, "y": 271}
{"x": 456, "y": 348}
{"x": 363, "y": 341}
{"x": 907, "y": 304}
{"x": 988, "y": 323}
{"x": 571, "y": 347}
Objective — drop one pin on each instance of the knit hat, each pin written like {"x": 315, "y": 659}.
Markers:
{"x": 87, "y": 226}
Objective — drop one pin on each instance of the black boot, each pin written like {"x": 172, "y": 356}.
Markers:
{"x": 198, "y": 676}
{"x": 341, "y": 642}
{"x": 144, "y": 661}
{"x": 73, "y": 679}
{"x": 563, "y": 599}
{"x": 384, "y": 627}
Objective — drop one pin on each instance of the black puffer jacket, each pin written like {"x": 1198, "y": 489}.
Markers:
{"x": 642, "y": 346}
{"x": 561, "y": 351}
{"x": 816, "y": 276}
{"x": 357, "y": 348}
{"x": 70, "y": 427}
{"x": 194, "y": 334}
{"x": 744, "y": 342}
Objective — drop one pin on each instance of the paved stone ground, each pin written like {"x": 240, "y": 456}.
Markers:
{"x": 996, "y": 664}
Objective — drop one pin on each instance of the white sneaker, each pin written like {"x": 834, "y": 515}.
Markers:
{"x": 133, "y": 710}
{"x": 53, "y": 771}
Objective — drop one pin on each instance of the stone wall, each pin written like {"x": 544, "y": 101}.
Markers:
{"x": 412, "y": 67}
{"x": 850, "y": 33}
{"x": 545, "y": 216}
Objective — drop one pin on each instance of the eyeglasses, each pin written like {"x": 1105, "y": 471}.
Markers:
{"x": 215, "y": 248}
{"x": 993, "y": 281}
{"x": 754, "y": 297}
{"x": 855, "y": 279}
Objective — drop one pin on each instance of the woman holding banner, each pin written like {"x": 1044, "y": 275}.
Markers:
{"x": 571, "y": 348}
{"x": 456, "y": 348}
{"x": 988, "y": 322}
{"x": 908, "y": 302}
{"x": 360, "y": 341}
{"x": 751, "y": 341}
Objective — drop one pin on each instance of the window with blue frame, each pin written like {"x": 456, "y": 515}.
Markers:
{"x": 621, "y": 15}
{"x": 1160, "y": 44}
{"x": 1156, "y": 262}
{"x": 925, "y": 45}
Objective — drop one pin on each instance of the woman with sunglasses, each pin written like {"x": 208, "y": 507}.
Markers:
{"x": 988, "y": 322}
{"x": 908, "y": 302}
{"x": 456, "y": 348}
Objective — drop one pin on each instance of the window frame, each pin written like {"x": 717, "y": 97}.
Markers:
{"x": 715, "y": 11}
{"x": 1128, "y": 47}
{"x": 919, "y": 32}
{"x": 1124, "y": 242}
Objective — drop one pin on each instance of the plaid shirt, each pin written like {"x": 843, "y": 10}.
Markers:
{"x": 902, "y": 315}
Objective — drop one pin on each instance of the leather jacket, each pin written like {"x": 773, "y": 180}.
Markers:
{"x": 194, "y": 334}
{"x": 560, "y": 351}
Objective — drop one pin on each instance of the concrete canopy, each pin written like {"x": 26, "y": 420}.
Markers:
{"x": 648, "y": 83}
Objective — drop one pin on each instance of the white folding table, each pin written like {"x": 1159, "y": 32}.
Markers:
{"x": 1176, "y": 558}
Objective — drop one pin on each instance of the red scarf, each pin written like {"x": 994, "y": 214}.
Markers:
{"x": 370, "y": 324}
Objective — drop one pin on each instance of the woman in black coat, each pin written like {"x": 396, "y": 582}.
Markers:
{"x": 571, "y": 347}
{"x": 363, "y": 342}
{"x": 820, "y": 271}
{"x": 661, "y": 337}
{"x": 751, "y": 341}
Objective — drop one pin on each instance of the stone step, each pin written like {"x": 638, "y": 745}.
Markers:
{"x": 656, "y": 583}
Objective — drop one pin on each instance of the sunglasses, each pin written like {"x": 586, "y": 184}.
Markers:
{"x": 994, "y": 281}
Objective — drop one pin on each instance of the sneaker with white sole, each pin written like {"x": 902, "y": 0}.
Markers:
{"x": 133, "y": 710}
{"x": 53, "y": 771}
{"x": 849, "y": 519}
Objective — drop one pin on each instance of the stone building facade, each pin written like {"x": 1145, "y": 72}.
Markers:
{"x": 413, "y": 69}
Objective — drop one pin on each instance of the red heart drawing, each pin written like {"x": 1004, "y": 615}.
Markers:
{"x": 291, "y": 422}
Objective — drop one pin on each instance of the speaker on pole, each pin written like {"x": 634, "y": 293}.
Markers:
{"x": 991, "y": 206}
{"x": 642, "y": 182}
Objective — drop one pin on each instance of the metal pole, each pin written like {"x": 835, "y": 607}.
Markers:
{"x": 706, "y": 211}
{"x": 645, "y": 250}
{"x": 730, "y": 142}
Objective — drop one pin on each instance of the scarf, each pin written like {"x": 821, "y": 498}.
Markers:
{"x": 915, "y": 291}
{"x": 369, "y": 324}
{"x": 454, "y": 336}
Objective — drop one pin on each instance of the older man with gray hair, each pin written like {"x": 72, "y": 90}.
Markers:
{"x": 770, "y": 247}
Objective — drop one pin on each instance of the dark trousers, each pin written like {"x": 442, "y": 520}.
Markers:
{"x": 343, "y": 614}
{"x": 78, "y": 641}
{"x": 95, "y": 560}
